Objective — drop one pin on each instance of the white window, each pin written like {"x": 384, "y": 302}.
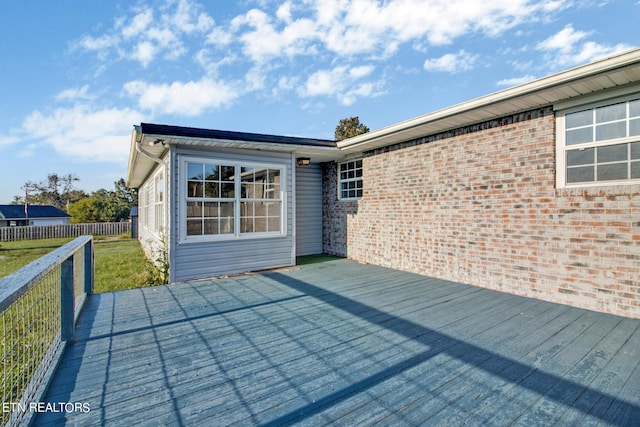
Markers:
{"x": 226, "y": 200}
{"x": 600, "y": 145}
{"x": 350, "y": 180}
{"x": 159, "y": 203}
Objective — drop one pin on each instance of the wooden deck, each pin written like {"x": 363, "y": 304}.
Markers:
{"x": 344, "y": 343}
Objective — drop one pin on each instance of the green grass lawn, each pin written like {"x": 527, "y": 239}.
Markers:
{"x": 119, "y": 263}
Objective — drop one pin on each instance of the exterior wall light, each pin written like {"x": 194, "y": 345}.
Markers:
{"x": 303, "y": 161}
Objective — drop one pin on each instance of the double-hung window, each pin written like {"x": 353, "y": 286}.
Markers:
{"x": 601, "y": 144}
{"x": 350, "y": 180}
{"x": 226, "y": 200}
{"x": 159, "y": 202}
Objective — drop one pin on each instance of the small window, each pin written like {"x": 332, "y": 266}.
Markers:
{"x": 350, "y": 180}
{"x": 600, "y": 145}
{"x": 159, "y": 203}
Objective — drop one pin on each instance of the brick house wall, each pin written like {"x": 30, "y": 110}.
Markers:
{"x": 479, "y": 205}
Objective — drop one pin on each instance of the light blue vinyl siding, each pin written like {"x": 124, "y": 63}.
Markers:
{"x": 308, "y": 209}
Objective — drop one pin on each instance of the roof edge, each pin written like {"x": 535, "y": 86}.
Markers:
{"x": 200, "y": 133}
{"x": 606, "y": 64}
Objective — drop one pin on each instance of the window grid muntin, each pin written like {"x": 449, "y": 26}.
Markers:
{"x": 588, "y": 122}
{"x": 228, "y": 223}
{"x": 260, "y": 204}
{"x": 208, "y": 213}
{"x": 350, "y": 180}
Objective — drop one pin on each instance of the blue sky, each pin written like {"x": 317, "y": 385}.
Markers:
{"x": 76, "y": 75}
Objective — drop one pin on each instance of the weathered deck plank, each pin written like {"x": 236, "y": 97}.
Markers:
{"x": 349, "y": 344}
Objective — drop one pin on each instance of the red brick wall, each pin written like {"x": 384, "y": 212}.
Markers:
{"x": 478, "y": 205}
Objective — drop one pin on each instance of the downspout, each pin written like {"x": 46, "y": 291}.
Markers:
{"x": 139, "y": 149}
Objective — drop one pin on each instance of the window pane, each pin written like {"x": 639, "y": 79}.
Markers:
{"x": 210, "y": 210}
{"x": 247, "y": 209}
{"x": 212, "y": 189}
{"x": 581, "y": 118}
{"x": 247, "y": 174}
{"x": 612, "y": 171}
{"x": 194, "y": 210}
{"x": 248, "y": 191}
{"x": 611, "y": 112}
{"x": 211, "y": 172}
{"x": 273, "y": 224}
{"x": 194, "y": 171}
{"x": 194, "y": 189}
{"x": 227, "y": 173}
{"x": 634, "y": 127}
{"x": 194, "y": 227}
{"x": 211, "y": 226}
{"x": 581, "y": 174}
{"x": 226, "y": 225}
{"x": 634, "y": 108}
{"x": 246, "y": 224}
{"x": 635, "y": 150}
{"x": 580, "y": 157}
{"x": 226, "y": 209}
{"x": 227, "y": 190}
{"x": 611, "y": 131}
{"x": 612, "y": 153}
{"x": 579, "y": 136}
{"x": 635, "y": 170}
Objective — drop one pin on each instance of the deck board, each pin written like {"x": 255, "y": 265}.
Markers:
{"x": 347, "y": 344}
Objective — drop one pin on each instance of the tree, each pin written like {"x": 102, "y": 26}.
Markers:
{"x": 349, "y": 127}
{"x": 104, "y": 205}
{"x": 125, "y": 194}
{"x": 57, "y": 190}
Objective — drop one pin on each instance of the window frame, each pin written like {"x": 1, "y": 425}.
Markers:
{"x": 237, "y": 200}
{"x": 159, "y": 199}
{"x": 355, "y": 179}
{"x": 563, "y": 149}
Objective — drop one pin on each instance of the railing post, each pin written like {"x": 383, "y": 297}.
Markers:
{"x": 88, "y": 267}
{"x": 66, "y": 300}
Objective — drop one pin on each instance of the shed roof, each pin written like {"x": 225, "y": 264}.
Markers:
{"x": 17, "y": 212}
{"x": 149, "y": 141}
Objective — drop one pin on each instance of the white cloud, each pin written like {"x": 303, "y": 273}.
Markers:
{"x": 452, "y": 62}
{"x": 371, "y": 27}
{"x": 80, "y": 93}
{"x": 148, "y": 34}
{"x": 8, "y": 140}
{"x": 308, "y": 37}
{"x": 516, "y": 81}
{"x": 568, "y": 48}
{"x": 342, "y": 83}
{"x": 144, "y": 53}
{"x": 139, "y": 24}
{"x": 264, "y": 40}
{"x": 83, "y": 132}
{"x": 181, "y": 98}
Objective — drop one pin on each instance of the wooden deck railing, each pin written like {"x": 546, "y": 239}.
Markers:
{"x": 32, "y": 232}
{"x": 39, "y": 305}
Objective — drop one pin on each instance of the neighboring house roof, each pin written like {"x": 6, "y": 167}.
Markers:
{"x": 17, "y": 212}
{"x": 150, "y": 141}
{"x": 616, "y": 73}
{"x": 620, "y": 71}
